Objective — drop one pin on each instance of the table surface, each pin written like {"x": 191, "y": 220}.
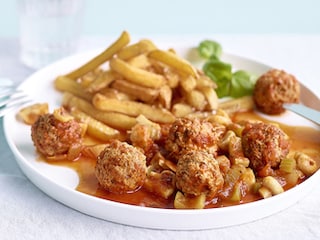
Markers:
{"x": 28, "y": 213}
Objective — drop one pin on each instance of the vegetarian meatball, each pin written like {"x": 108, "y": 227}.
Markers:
{"x": 273, "y": 89}
{"x": 193, "y": 134}
{"x": 264, "y": 144}
{"x": 121, "y": 167}
{"x": 198, "y": 173}
{"x": 54, "y": 137}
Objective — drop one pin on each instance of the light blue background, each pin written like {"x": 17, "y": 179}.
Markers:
{"x": 104, "y": 17}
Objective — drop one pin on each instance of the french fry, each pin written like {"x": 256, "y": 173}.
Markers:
{"x": 196, "y": 99}
{"x": 171, "y": 59}
{"x": 137, "y": 75}
{"x": 101, "y": 81}
{"x": 188, "y": 83}
{"x": 112, "y": 119}
{"x": 236, "y": 105}
{"x": 140, "y": 61}
{"x": 65, "y": 84}
{"x": 181, "y": 109}
{"x": 204, "y": 81}
{"x": 141, "y": 47}
{"x": 158, "y": 67}
{"x": 144, "y": 94}
{"x": 30, "y": 114}
{"x": 132, "y": 108}
{"x": 88, "y": 78}
{"x": 114, "y": 93}
{"x": 211, "y": 97}
{"x": 107, "y": 54}
{"x": 62, "y": 114}
{"x": 165, "y": 96}
{"x": 96, "y": 128}
{"x": 172, "y": 77}
{"x": 155, "y": 129}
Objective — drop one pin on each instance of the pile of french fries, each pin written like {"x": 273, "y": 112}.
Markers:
{"x": 128, "y": 80}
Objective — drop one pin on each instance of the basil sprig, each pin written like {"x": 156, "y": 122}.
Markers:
{"x": 229, "y": 83}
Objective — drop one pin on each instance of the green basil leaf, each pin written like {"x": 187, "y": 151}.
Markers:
{"x": 218, "y": 71}
{"x": 242, "y": 84}
{"x": 214, "y": 57}
{"x": 208, "y": 48}
{"x": 221, "y": 74}
{"x": 223, "y": 89}
{"x": 237, "y": 84}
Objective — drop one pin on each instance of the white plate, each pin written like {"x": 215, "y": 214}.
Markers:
{"x": 60, "y": 182}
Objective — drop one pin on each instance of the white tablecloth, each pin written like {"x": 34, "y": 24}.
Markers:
{"x": 28, "y": 213}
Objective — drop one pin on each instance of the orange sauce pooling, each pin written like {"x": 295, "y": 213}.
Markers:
{"x": 305, "y": 139}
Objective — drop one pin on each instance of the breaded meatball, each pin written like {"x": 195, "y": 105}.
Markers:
{"x": 193, "y": 134}
{"x": 121, "y": 167}
{"x": 273, "y": 89}
{"x": 264, "y": 144}
{"x": 53, "y": 137}
{"x": 198, "y": 173}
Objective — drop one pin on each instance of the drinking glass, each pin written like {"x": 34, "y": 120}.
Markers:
{"x": 49, "y": 30}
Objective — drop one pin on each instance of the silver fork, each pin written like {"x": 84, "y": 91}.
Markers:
{"x": 11, "y": 98}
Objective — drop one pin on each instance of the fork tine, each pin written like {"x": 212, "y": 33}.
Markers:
{"x": 6, "y": 110}
{"x": 12, "y": 100}
{"x": 13, "y": 105}
{"x": 7, "y": 86}
{"x": 7, "y": 92}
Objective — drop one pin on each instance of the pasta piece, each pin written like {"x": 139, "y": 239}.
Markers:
{"x": 236, "y": 192}
{"x": 292, "y": 178}
{"x": 224, "y": 163}
{"x": 234, "y": 174}
{"x": 236, "y": 154}
{"x": 224, "y": 142}
{"x": 162, "y": 184}
{"x": 93, "y": 151}
{"x": 241, "y": 161}
{"x": 189, "y": 202}
{"x": 272, "y": 184}
{"x": 236, "y": 128}
{"x": 248, "y": 178}
{"x": 306, "y": 164}
{"x": 265, "y": 192}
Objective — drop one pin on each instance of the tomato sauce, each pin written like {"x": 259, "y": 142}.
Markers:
{"x": 304, "y": 139}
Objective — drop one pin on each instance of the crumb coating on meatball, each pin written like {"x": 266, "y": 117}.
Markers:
{"x": 121, "y": 167}
{"x": 198, "y": 173}
{"x": 264, "y": 144}
{"x": 273, "y": 89}
{"x": 53, "y": 137}
{"x": 193, "y": 134}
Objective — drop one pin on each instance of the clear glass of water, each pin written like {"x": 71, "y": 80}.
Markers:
{"x": 49, "y": 30}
